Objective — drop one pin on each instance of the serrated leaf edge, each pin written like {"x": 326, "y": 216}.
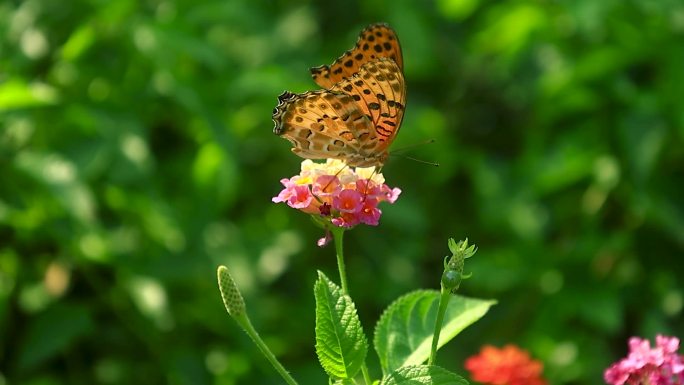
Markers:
{"x": 361, "y": 347}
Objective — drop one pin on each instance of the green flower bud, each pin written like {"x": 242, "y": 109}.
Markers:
{"x": 230, "y": 293}
{"x": 454, "y": 265}
{"x": 451, "y": 280}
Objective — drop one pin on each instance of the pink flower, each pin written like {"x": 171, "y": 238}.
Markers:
{"x": 346, "y": 220}
{"x": 367, "y": 188}
{"x": 645, "y": 365}
{"x": 348, "y": 201}
{"x": 381, "y": 192}
{"x": 286, "y": 193}
{"x": 322, "y": 242}
{"x": 337, "y": 194}
{"x": 300, "y": 197}
{"x": 391, "y": 195}
{"x": 326, "y": 185}
{"x": 369, "y": 213}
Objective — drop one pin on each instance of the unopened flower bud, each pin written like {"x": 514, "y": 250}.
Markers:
{"x": 453, "y": 266}
{"x": 451, "y": 280}
{"x": 230, "y": 293}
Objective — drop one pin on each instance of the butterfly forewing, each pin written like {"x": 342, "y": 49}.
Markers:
{"x": 376, "y": 41}
{"x": 379, "y": 91}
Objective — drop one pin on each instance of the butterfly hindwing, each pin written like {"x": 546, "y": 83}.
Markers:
{"x": 375, "y": 41}
{"x": 322, "y": 124}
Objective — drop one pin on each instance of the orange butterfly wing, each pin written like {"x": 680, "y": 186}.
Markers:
{"x": 380, "y": 92}
{"x": 375, "y": 41}
{"x": 321, "y": 124}
{"x": 356, "y": 120}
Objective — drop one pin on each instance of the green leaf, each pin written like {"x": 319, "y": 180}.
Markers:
{"x": 423, "y": 374}
{"x": 15, "y": 94}
{"x": 345, "y": 381}
{"x": 341, "y": 345}
{"x": 403, "y": 334}
{"x": 53, "y": 332}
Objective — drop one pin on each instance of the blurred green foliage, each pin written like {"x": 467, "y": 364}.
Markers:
{"x": 136, "y": 155}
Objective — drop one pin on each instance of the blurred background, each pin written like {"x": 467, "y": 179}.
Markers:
{"x": 137, "y": 154}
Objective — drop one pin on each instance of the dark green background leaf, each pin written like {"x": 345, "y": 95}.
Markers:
{"x": 137, "y": 155}
{"x": 54, "y": 331}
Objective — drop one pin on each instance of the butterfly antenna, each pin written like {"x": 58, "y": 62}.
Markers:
{"x": 410, "y": 146}
{"x": 336, "y": 175}
{"x": 419, "y": 160}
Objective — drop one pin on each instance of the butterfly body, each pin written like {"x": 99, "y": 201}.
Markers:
{"x": 358, "y": 114}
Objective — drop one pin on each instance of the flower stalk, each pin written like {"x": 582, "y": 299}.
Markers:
{"x": 441, "y": 311}
{"x": 235, "y": 305}
{"x": 338, "y": 239}
{"x": 451, "y": 281}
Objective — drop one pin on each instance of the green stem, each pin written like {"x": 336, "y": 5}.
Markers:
{"x": 441, "y": 311}
{"x": 366, "y": 376}
{"x": 338, "y": 237}
{"x": 243, "y": 321}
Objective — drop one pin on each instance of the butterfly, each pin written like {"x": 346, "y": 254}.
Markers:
{"x": 358, "y": 113}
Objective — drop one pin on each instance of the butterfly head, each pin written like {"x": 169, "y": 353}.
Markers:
{"x": 374, "y": 160}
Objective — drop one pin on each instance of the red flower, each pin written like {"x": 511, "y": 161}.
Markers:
{"x": 506, "y": 366}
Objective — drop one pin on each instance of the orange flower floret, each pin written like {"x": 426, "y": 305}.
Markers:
{"x": 509, "y": 365}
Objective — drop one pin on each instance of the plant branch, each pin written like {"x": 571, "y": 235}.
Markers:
{"x": 441, "y": 311}
{"x": 338, "y": 237}
{"x": 243, "y": 321}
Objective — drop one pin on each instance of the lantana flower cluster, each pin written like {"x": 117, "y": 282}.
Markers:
{"x": 660, "y": 365}
{"x": 342, "y": 195}
{"x": 509, "y": 365}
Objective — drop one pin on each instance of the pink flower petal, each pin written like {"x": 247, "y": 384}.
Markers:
{"x": 346, "y": 220}
{"x": 394, "y": 195}
{"x": 368, "y": 188}
{"x": 668, "y": 344}
{"x": 325, "y": 240}
{"x": 283, "y": 196}
{"x": 348, "y": 201}
{"x": 301, "y": 197}
{"x": 616, "y": 375}
{"x": 326, "y": 185}
{"x": 370, "y": 214}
